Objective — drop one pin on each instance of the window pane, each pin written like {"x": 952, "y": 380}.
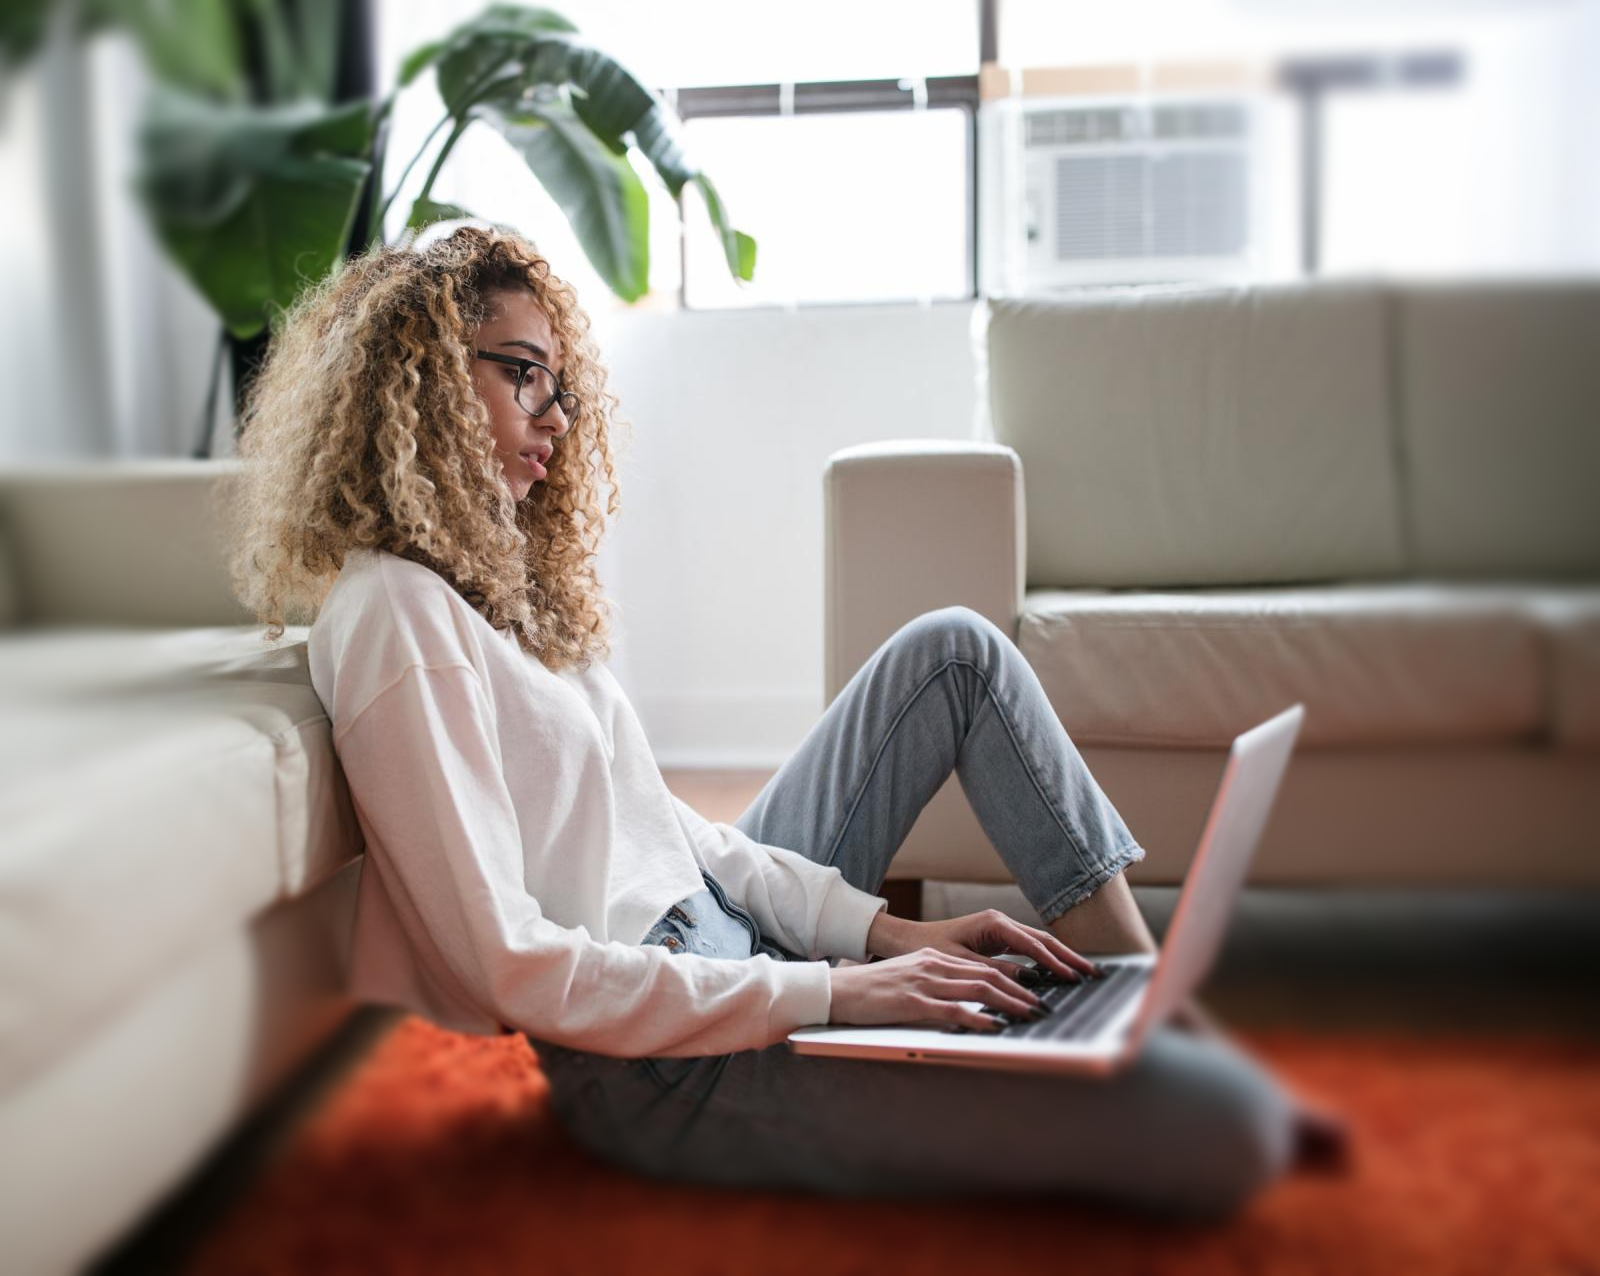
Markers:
{"x": 844, "y": 206}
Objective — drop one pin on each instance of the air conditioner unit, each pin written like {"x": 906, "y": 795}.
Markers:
{"x": 1107, "y": 190}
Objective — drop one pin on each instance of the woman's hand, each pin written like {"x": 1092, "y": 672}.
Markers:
{"x": 978, "y": 937}
{"x": 925, "y": 986}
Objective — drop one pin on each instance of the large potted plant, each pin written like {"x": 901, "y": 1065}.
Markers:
{"x": 257, "y": 180}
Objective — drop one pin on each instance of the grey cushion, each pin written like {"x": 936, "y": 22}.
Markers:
{"x": 1193, "y": 436}
{"x": 10, "y": 599}
{"x": 1500, "y": 412}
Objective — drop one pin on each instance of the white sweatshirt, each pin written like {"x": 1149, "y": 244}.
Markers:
{"x": 520, "y": 842}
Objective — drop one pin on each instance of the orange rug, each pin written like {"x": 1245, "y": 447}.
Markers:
{"x": 439, "y": 1156}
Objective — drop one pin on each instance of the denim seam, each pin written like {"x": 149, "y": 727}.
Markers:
{"x": 1027, "y": 767}
{"x": 737, "y": 911}
{"x": 1080, "y": 890}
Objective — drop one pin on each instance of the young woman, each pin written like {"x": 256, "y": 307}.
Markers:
{"x": 422, "y": 452}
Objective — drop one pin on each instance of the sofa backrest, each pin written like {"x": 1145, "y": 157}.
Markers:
{"x": 117, "y": 542}
{"x": 1499, "y": 396}
{"x": 1200, "y": 435}
{"x": 10, "y": 608}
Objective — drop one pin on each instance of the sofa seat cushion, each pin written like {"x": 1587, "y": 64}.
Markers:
{"x": 1377, "y": 664}
{"x": 170, "y": 793}
{"x": 229, "y": 670}
{"x": 50, "y": 663}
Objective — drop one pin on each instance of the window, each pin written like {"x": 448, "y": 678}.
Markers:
{"x": 855, "y": 191}
{"x": 840, "y": 136}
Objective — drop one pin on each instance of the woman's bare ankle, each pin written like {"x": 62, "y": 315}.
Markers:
{"x": 1107, "y": 922}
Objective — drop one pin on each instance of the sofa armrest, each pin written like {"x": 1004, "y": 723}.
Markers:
{"x": 911, "y": 525}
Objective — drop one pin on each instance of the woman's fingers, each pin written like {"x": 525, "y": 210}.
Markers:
{"x": 1000, "y": 928}
{"x": 980, "y": 981}
{"x": 1050, "y": 952}
{"x": 1012, "y": 970}
{"x": 993, "y": 993}
{"x": 938, "y": 1010}
{"x": 958, "y": 979}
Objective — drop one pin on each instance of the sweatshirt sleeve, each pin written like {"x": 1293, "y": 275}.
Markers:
{"x": 806, "y": 906}
{"x": 423, "y": 766}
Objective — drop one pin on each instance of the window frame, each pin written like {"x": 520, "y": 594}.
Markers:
{"x": 815, "y": 96}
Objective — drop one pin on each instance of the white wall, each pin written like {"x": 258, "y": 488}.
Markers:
{"x": 716, "y": 553}
{"x": 105, "y": 346}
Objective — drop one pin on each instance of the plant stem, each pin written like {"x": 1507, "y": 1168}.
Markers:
{"x": 383, "y": 211}
{"x": 444, "y": 152}
{"x": 470, "y": 100}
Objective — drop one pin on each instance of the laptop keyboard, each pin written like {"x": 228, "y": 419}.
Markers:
{"x": 1073, "y": 1011}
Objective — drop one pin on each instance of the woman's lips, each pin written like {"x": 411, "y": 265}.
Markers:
{"x": 532, "y": 459}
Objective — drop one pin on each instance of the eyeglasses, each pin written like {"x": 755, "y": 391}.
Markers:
{"x": 537, "y": 386}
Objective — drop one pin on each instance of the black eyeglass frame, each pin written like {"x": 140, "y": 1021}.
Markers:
{"x": 569, "y": 400}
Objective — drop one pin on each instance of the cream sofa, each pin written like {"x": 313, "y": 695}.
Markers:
{"x": 1192, "y": 506}
{"x": 178, "y": 853}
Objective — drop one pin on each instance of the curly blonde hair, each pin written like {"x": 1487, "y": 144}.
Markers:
{"x": 363, "y": 429}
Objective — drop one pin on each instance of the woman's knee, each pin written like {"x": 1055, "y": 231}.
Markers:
{"x": 1251, "y": 1153}
{"x": 1234, "y": 1135}
{"x": 957, "y": 631}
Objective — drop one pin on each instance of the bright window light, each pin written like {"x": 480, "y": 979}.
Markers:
{"x": 844, "y": 206}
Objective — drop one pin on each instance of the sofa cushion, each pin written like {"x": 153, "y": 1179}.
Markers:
{"x": 49, "y": 664}
{"x": 1500, "y": 419}
{"x": 156, "y": 788}
{"x": 124, "y": 540}
{"x": 10, "y": 597}
{"x": 1192, "y": 436}
{"x": 1385, "y": 664}
{"x": 1570, "y": 620}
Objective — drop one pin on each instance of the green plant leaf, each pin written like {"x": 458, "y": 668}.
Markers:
{"x": 424, "y": 212}
{"x": 345, "y": 129}
{"x": 419, "y": 60}
{"x": 489, "y": 47}
{"x": 608, "y": 99}
{"x": 598, "y": 191}
{"x": 285, "y": 71}
{"x": 22, "y": 28}
{"x": 187, "y": 44}
{"x": 737, "y": 247}
{"x": 511, "y": 75}
{"x": 318, "y": 25}
{"x": 192, "y": 44}
{"x": 656, "y": 134}
{"x": 253, "y": 203}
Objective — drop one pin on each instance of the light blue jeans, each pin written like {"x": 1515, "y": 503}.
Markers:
{"x": 1192, "y": 1127}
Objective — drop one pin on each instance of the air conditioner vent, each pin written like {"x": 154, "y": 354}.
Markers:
{"x": 1188, "y": 204}
{"x": 1075, "y": 127}
{"x": 1211, "y": 120}
{"x": 1150, "y": 188}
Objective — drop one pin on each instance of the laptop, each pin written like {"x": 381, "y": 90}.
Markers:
{"x": 1097, "y": 1026}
